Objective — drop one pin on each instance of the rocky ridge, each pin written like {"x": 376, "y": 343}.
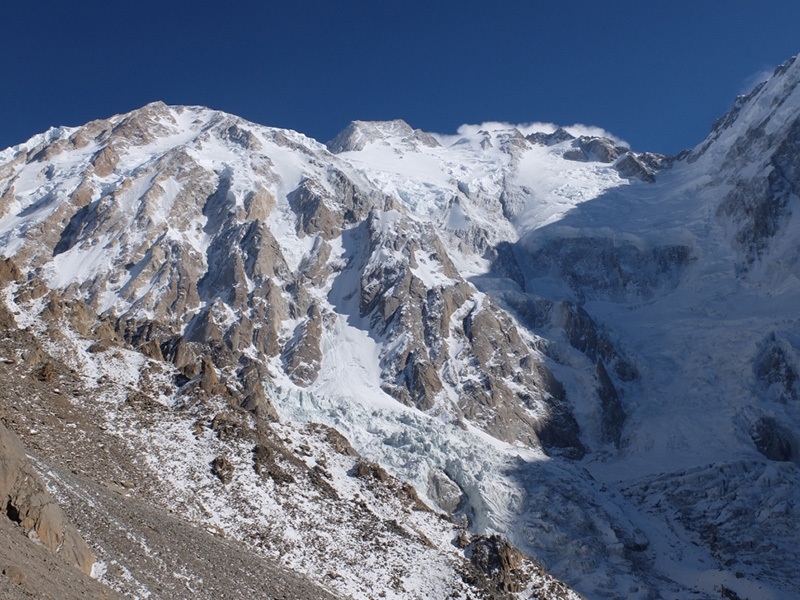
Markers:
{"x": 150, "y": 221}
{"x": 181, "y": 476}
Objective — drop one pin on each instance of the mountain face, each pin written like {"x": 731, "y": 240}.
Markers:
{"x": 580, "y": 354}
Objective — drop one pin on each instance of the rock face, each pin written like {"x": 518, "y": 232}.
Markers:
{"x": 776, "y": 371}
{"x": 26, "y": 501}
{"x": 772, "y": 440}
{"x": 195, "y": 245}
{"x": 758, "y": 204}
{"x": 550, "y": 139}
{"x": 585, "y": 335}
{"x": 613, "y": 413}
{"x": 630, "y": 165}
{"x": 181, "y": 464}
{"x": 444, "y": 491}
{"x": 422, "y": 323}
{"x": 597, "y": 267}
{"x": 494, "y": 557}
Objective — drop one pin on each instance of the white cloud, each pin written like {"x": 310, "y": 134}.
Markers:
{"x": 753, "y": 80}
{"x": 577, "y": 129}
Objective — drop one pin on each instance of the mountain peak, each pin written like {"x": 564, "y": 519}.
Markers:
{"x": 358, "y": 134}
{"x": 543, "y": 346}
{"x": 763, "y": 113}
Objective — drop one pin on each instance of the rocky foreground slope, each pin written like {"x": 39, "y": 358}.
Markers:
{"x": 180, "y": 493}
{"x": 316, "y": 350}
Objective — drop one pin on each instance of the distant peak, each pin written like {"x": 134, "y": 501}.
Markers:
{"x": 550, "y": 139}
{"x": 358, "y": 134}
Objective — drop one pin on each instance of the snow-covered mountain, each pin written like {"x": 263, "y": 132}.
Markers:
{"x": 590, "y": 351}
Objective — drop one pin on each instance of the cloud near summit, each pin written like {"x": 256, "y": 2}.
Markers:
{"x": 577, "y": 129}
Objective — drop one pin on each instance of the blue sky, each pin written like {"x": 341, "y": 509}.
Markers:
{"x": 656, "y": 74}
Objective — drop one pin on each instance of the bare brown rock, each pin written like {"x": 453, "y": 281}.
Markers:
{"x": 258, "y": 204}
{"x": 243, "y": 137}
{"x": 15, "y": 575}
{"x": 370, "y": 470}
{"x": 265, "y": 463}
{"x": 9, "y": 271}
{"x": 83, "y": 194}
{"x": 231, "y": 427}
{"x": 31, "y": 291}
{"x": 303, "y": 356}
{"x": 499, "y": 561}
{"x": 314, "y": 215}
{"x": 81, "y": 317}
{"x": 25, "y": 501}
{"x": 105, "y": 160}
{"x": 7, "y": 196}
{"x": 254, "y": 398}
{"x": 99, "y": 346}
{"x": 181, "y": 354}
{"x": 6, "y": 317}
{"x": 142, "y": 126}
{"x": 337, "y": 441}
{"x": 315, "y": 266}
{"x": 152, "y": 350}
{"x": 105, "y": 332}
{"x": 209, "y": 379}
{"x": 223, "y": 469}
{"x": 54, "y": 309}
{"x": 45, "y": 373}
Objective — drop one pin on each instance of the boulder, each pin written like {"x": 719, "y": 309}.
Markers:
{"x": 499, "y": 561}
{"x": 223, "y": 469}
{"x": 24, "y": 499}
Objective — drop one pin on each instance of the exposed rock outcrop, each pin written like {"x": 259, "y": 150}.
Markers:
{"x": 613, "y": 413}
{"x": 418, "y": 317}
{"x": 632, "y": 167}
{"x": 585, "y": 335}
{"x": 595, "y": 149}
{"x": 26, "y": 501}
{"x": 550, "y": 139}
{"x": 303, "y": 356}
{"x": 499, "y": 561}
{"x": 776, "y": 370}
{"x": 773, "y": 440}
{"x": 223, "y": 469}
{"x": 600, "y": 267}
{"x": 229, "y": 261}
{"x": 9, "y": 271}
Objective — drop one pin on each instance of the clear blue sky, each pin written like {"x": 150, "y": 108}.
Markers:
{"x": 654, "y": 73}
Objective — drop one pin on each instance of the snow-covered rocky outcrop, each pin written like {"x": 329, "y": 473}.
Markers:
{"x": 545, "y": 332}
